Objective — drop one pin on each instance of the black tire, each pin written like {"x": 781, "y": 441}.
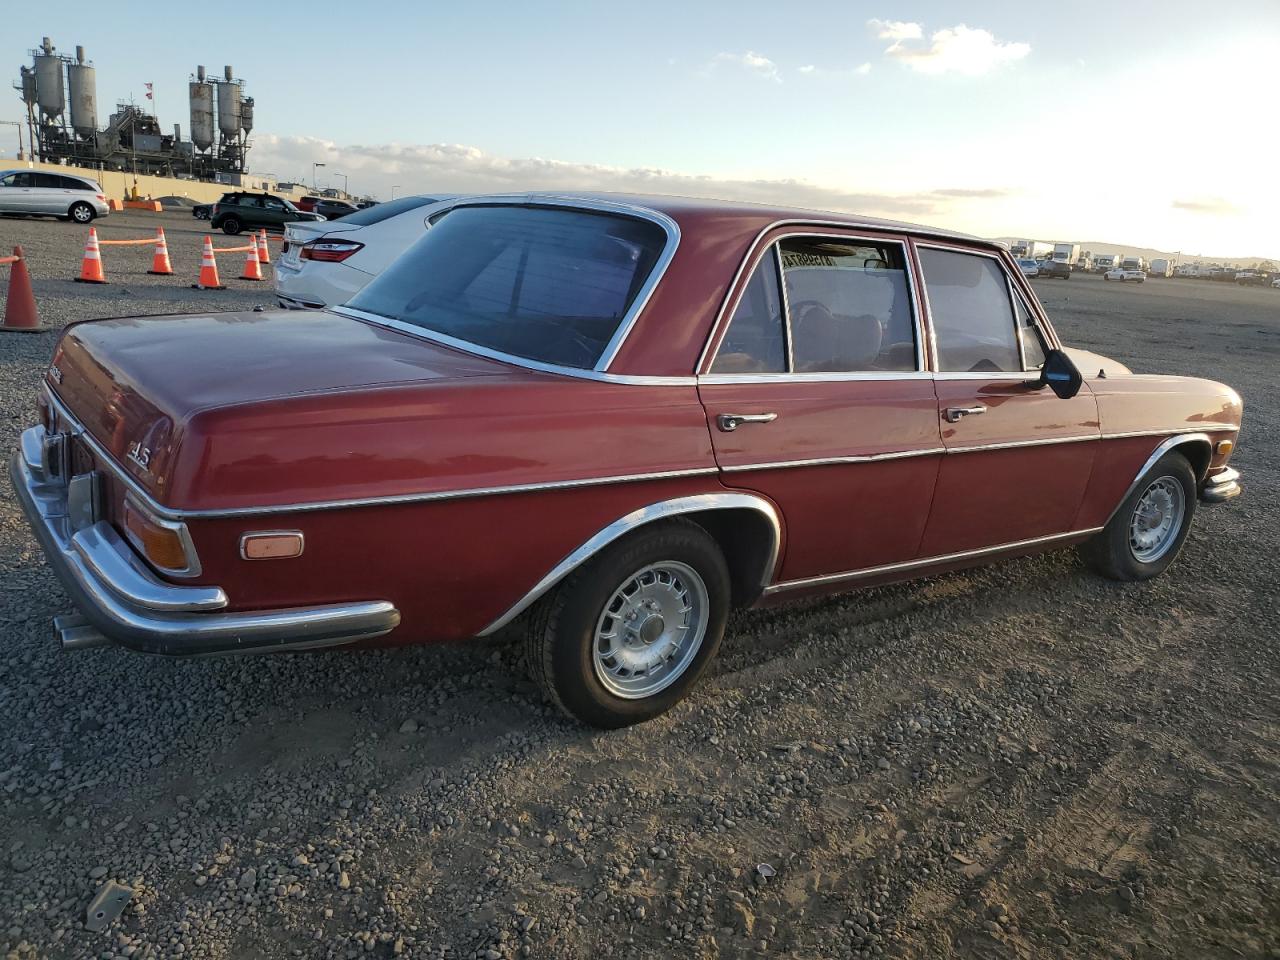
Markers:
{"x": 231, "y": 225}
{"x": 561, "y": 634}
{"x": 1110, "y": 552}
{"x": 82, "y": 212}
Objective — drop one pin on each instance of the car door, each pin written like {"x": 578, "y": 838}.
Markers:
{"x": 275, "y": 213}
{"x": 817, "y": 397}
{"x": 16, "y": 193}
{"x": 1018, "y": 458}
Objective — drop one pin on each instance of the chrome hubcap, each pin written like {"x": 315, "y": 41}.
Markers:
{"x": 1156, "y": 520}
{"x": 650, "y": 630}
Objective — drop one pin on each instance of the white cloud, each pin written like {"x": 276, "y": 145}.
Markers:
{"x": 755, "y": 62}
{"x": 863, "y": 70}
{"x": 807, "y": 68}
{"x": 455, "y": 168}
{"x": 960, "y": 49}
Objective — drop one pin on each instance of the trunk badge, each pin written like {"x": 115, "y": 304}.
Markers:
{"x": 140, "y": 455}
{"x": 55, "y": 374}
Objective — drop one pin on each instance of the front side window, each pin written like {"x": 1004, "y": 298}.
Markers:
{"x": 549, "y": 284}
{"x": 273, "y": 204}
{"x": 848, "y": 305}
{"x": 972, "y": 315}
{"x": 17, "y": 180}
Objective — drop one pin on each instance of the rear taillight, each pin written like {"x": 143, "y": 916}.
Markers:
{"x": 329, "y": 251}
{"x": 164, "y": 543}
{"x": 101, "y": 196}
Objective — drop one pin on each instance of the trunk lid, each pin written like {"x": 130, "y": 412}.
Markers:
{"x": 136, "y": 382}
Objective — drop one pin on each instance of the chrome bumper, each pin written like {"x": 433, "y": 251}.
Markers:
{"x": 122, "y": 601}
{"x": 1223, "y": 485}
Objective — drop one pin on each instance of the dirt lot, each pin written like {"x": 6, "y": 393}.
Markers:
{"x": 1022, "y": 761}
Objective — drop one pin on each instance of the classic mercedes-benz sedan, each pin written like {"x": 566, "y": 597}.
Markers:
{"x": 606, "y": 420}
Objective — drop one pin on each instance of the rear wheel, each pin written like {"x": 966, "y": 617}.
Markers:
{"x": 1147, "y": 532}
{"x": 231, "y": 225}
{"x": 627, "y": 635}
{"x": 82, "y": 212}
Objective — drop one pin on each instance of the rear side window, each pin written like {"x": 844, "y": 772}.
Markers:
{"x": 972, "y": 315}
{"x": 848, "y": 305}
{"x": 47, "y": 181}
{"x": 754, "y": 342}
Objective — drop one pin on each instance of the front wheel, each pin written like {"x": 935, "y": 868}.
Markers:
{"x": 626, "y": 636}
{"x": 82, "y": 212}
{"x": 1148, "y": 530}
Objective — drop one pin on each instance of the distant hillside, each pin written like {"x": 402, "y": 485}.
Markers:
{"x": 1097, "y": 247}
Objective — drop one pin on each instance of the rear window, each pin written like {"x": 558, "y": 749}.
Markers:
{"x": 543, "y": 283}
{"x": 384, "y": 211}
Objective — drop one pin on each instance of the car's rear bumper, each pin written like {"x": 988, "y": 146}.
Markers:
{"x": 1221, "y": 486}
{"x": 121, "y": 601}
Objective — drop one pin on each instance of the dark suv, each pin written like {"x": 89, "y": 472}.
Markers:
{"x": 240, "y": 211}
{"x": 1055, "y": 268}
{"x": 333, "y": 209}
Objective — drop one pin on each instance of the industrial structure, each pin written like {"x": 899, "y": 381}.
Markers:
{"x": 60, "y": 94}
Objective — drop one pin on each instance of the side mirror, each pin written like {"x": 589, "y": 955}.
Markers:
{"x": 1060, "y": 375}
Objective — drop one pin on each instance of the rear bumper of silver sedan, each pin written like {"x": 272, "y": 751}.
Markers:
{"x": 121, "y": 601}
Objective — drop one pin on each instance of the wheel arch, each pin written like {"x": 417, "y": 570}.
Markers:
{"x": 1196, "y": 447}
{"x": 746, "y": 526}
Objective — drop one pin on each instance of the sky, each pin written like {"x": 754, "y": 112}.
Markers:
{"x": 1152, "y": 124}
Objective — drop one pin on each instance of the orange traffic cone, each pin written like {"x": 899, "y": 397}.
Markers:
{"x": 160, "y": 262}
{"x": 20, "y": 305}
{"x": 251, "y": 269}
{"x": 264, "y": 255}
{"x": 91, "y": 266}
{"x": 209, "y": 269}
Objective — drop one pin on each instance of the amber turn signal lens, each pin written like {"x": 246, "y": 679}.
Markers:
{"x": 271, "y": 545}
{"x": 162, "y": 546}
{"x": 1225, "y": 447}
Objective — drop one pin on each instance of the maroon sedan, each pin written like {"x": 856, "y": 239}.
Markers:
{"x": 614, "y": 418}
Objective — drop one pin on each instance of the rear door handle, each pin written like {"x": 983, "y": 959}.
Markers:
{"x": 729, "y": 422}
{"x": 955, "y": 414}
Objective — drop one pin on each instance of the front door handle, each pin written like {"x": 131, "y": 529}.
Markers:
{"x": 729, "y": 422}
{"x": 955, "y": 414}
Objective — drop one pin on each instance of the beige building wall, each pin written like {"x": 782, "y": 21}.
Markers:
{"x": 115, "y": 184}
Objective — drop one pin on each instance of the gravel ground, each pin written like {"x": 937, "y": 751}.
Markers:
{"x": 1019, "y": 761}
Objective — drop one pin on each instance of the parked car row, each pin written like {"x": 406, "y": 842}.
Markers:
{"x": 604, "y": 421}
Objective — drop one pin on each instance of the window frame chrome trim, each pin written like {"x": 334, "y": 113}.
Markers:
{"x": 908, "y": 565}
{"x": 819, "y": 228}
{"x": 663, "y": 509}
{"x": 614, "y": 346}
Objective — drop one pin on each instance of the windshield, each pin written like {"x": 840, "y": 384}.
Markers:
{"x": 543, "y": 283}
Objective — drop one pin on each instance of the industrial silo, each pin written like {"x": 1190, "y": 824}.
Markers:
{"x": 229, "y": 107}
{"x": 28, "y": 86}
{"x": 246, "y": 114}
{"x": 201, "y": 111}
{"x": 50, "y": 93}
{"x": 83, "y": 84}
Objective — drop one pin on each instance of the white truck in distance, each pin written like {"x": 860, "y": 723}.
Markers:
{"x": 1030, "y": 249}
{"x": 1068, "y": 253}
{"x": 1106, "y": 261}
{"x": 1133, "y": 263}
{"x": 1160, "y": 267}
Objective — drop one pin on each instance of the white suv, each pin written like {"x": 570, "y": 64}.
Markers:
{"x": 41, "y": 194}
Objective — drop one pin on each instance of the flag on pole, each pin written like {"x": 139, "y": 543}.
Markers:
{"x": 150, "y": 95}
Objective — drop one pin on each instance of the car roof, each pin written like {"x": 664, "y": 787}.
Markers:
{"x": 692, "y": 209}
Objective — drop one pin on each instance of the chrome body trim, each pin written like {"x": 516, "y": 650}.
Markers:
{"x": 724, "y": 315}
{"x": 178, "y": 528}
{"x": 120, "y": 599}
{"x": 824, "y": 461}
{"x": 172, "y": 513}
{"x": 618, "y": 208}
{"x": 637, "y": 518}
{"x": 1161, "y": 449}
{"x": 908, "y": 565}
